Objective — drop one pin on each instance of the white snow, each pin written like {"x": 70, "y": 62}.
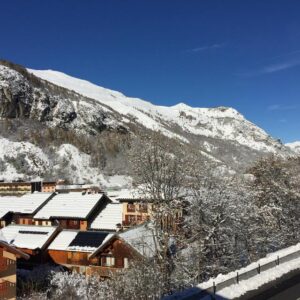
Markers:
{"x": 109, "y": 217}
{"x": 220, "y": 122}
{"x": 255, "y": 282}
{"x": 258, "y": 280}
{"x": 142, "y": 239}
{"x": 26, "y": 204}
{"x": 63, "y": 240}
{"x": 37, "y": 160}
{"x": 295, "y": 146}
{"x": 27, "y": 236}
{"x": 69, "y": 205}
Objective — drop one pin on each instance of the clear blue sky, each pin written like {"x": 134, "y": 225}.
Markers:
{"x": 244, "y": 54}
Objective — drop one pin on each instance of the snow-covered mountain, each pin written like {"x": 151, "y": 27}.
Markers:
{"x": 32, "y": 99}
{"x": 295, "y": 146}
{"x": 220, "y": 122}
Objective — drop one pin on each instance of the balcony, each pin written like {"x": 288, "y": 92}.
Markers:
{"x": 7, "y": 290}
{"x": 8, "y": 268}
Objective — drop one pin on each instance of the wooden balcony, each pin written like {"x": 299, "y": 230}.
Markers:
{"x": 8, "y": 268}
{"x": 7, "y": 290}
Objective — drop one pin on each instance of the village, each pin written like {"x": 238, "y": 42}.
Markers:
{"x": 78, "y": 227}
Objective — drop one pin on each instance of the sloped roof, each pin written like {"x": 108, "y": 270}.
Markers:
{"x": 26, "y": 204}
{"x": 13, "y": 250}
{"x": 28, "y": 236}
{"x": 69, "y": 205}
{"x": 124, "y": 194}
{"x": 83, "y": 241}
{"x": 141, "y": 238}
{"x": 109, "y": 217}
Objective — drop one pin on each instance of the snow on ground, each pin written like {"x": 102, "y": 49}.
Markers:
{"x": 258, "y": 280}
{"x": 295, "y": 146}
{"x": 80, "y": 165}
{"x": 14, "y": 151}
{"x": 17, "y": 158}
{"x": 220, "y": 122}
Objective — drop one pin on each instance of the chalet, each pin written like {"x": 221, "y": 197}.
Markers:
{"x": 71, "y": 248}
{"x": 48, "y": 186}
{"x": 121, "y": 248}
{"x": 15, "y": 188}
{"x": 109, "y": 219}
{"x": 135, "y": 209}
{"x": 20, "y": 210}
{"x": 71, "y": 210}
{"x": 8, "y": 279}
{"x": 23, "y": 187}
{"x": 30, "y": 239}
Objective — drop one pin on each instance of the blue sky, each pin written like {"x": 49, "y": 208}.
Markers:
{"x": 243, "y": 54}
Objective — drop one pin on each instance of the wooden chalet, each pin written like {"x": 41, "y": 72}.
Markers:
{"x": 8, "y": 263}
{"x": 20, "y": 210}
{"x": 135, "y": 210}
{"x": 121, "y": 248}
{"x": 48, "y": 186}
{"x": 32, "y": 240}
{"x": 72, "y": 248}
{"x": 72, "y": 210}
{"x": 15, "y": 188}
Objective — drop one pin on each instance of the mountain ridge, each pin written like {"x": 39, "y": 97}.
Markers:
{"x": 98, "y": 122}
{"x": 195, "y": 120}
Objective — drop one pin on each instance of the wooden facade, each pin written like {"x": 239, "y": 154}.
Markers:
{"x": 114, "y": 255}
{"x": 8, "y": 263}
{"x": 77, "y": 223}
{"x": 15, "y": 188}
{"x": 48, "y": 186}
{"x": 135, "y": 212}
{"x": 22, "y": 187}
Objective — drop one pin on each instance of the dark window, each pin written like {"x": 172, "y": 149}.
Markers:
{"x": 131, "y": 207}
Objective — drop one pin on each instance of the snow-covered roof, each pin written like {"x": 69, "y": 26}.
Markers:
{"x": 28, "y": 236}
{"x": 141, "y": 238}
{"x": 82, "y": 241}
{"x": 26, "y": 204}
{"x": 63, "y": 240}
{"x": 70, "y": 205}
{"x": 109, "y": 217}
{"x": 117, "y": 195}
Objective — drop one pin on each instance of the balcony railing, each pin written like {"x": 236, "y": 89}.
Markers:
{"x": 7, "y": 290}
{"x": 8, "y": 269}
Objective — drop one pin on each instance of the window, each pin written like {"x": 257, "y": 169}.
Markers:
{"x": 143, "y": 207}
{"x": 126, "y": 264}
{"x": 131, "y": 207}
{"x": 131, "y": 218}
{"x": 108, "y": 261}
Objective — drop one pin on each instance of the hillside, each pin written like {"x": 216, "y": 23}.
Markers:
{"x": 295, "y": 146}
{"x": 58, "y": 125}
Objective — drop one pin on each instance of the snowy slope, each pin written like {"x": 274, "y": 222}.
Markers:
{"x": 295, "y": 146}
{"x": 221, "y": 122}
{"x": 23, "y": 160}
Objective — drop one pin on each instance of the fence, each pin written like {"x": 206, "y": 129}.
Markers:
{"x": 196, "y": 293}
{"x": 253, "y": 272}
